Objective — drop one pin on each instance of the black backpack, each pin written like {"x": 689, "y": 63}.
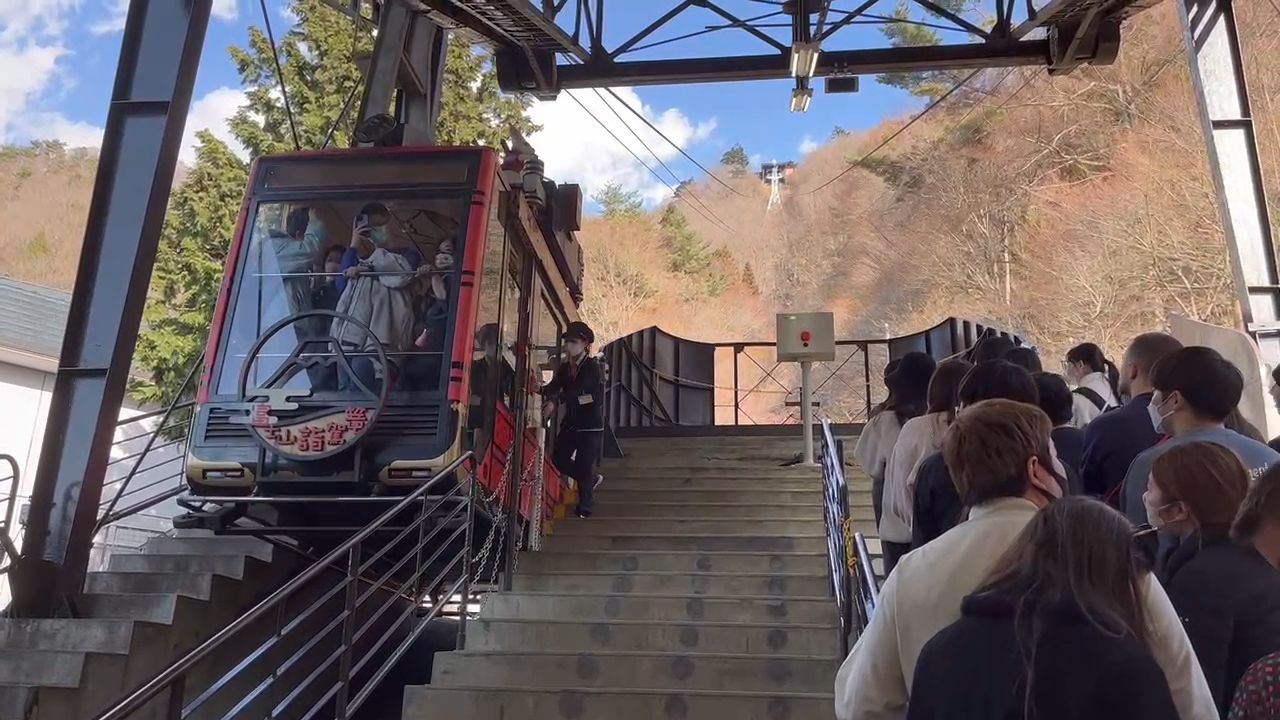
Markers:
{"x": 1092, "y": 396}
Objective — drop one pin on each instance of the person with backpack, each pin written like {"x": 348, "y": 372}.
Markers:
{"x": 1096, "y": 380}
{"x": 908, "y": 385}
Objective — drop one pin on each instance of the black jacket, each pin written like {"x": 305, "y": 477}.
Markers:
{"x": 1111, "y": 442}
{"x": 581, "y": 393}
{"x": 937, "y": 507}
{"x": 1069, "y": 442}
{"x": 974, "y": 669}
{"x": 1228, "y": 597}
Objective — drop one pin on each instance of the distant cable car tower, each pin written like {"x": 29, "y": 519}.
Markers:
{"x": 773, "y": 174}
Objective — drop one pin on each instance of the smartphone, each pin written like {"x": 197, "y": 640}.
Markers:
{"x": 362, "y": 222}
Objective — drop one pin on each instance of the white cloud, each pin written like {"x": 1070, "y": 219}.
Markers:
{"x": 118, "y": 11}
{"x": 226, "y": 9}
{"x": 211, "y": 113}
{"x": 24, "y": 73}
{"x": 808, "y": 145}
{"x": 24, "y": 19}
{"x": 54, "y": 126}
{"x": 577, "y": 149}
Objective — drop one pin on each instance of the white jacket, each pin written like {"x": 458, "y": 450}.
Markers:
{"x": 876, "y": 443}
{"x": 1083, "y": 411}
{"x": 920, "y": 438}
{"x": 923, "y": 595}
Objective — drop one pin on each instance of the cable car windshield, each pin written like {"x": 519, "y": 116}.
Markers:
{"x": 365, "y": 290}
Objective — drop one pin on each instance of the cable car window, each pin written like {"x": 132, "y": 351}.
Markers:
{"x": 483, "y": 383}
{"x": 511, "y": 301}
{"x": 546, "y": 349}
{"x": 384, "y": 266}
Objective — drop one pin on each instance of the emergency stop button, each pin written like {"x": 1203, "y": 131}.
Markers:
{"x": 805, "y": 337}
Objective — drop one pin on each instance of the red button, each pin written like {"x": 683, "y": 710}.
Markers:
{"x": 804, "y": 336}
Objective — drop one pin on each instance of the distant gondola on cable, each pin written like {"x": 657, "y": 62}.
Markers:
{"x": 383, "y": 311}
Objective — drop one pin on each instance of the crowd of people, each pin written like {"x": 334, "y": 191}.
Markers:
{"x": 381, "y": 278}
{"x": 1100, "y": 543}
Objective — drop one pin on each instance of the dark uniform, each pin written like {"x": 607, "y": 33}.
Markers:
{"x": 579, "y": 388}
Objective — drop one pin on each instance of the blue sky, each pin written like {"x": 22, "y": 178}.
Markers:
{"x": 57, "y": 66}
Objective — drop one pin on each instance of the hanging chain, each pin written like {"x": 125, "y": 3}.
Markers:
{"x": 498, "y": 528}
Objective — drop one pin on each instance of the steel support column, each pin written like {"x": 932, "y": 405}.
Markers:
{"x": 408, "y": 55}
{"x": 1222, "y": 96}
{"x": 149, "y": 104}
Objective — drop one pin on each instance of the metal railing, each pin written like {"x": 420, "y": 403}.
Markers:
{"x": 10, "y": 480}
{"x": 835, "y": 514}
{"x": 308, "y": 650}
{"x": 853, "y": 579}
{"x": 658, "y": 379}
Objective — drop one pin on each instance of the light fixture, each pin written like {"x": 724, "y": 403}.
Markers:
{"x": 804, "y": 59}
{"x": 800, "y": 99}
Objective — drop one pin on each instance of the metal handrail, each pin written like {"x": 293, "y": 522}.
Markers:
{"x": 173, "y": 677}
{"x": 835, "y": 503}
{"x": 8, "y": 551}
{"x": 868, "y": 584}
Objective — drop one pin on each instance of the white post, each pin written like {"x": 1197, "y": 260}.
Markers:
{"x": 539, "y": 488}
{"x": 806, "y": 410}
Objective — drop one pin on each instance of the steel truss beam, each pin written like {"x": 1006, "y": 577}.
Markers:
{"x": 408, "y": 56}
{"x": 772, "y": 67}
{"x": 1222, "y": 97}
{"x": 149, "y": 104}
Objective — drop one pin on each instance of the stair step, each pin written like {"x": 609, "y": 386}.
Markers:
{"x": 232, "y": 566}
{"x": 807, "y": 543}
{"x": 195, "y": 585}
{"x": 773, "y": 511}
{"x": 603, "y": 526}
{"x": 67, "y": 635}
{"x": 659, "y": 607}
{"x": 145, "y": 607}
{"x": 698, "y": 481}
{"x": 211, "y": 545}
{"x": 645, "y": 636}
{"x": 673, "y": 672}
{"x": 537, "y": 703}
{"x": 41, "y": 668}
{"x": 618, "y": 496}
{"x": 672, "y": 561}
{"x": 764, "y": 584}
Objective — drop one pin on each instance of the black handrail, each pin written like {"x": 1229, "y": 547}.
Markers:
{"x": 8, "y": 551}
{"x": 835, "y": 513}
{"x": 173, "y": 678}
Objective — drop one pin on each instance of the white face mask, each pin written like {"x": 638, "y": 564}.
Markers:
{"x": 575, "y": 348}
{"x": 1157, "y": 420}
{"x": 444, "y": 261}
{"x": 1153, "y": 511}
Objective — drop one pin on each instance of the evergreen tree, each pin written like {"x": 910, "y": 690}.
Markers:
{"x": 735, "y": 158}
{"x": 317, "y": 56}
{"x": 685, "y": 252}
{"x": 930, "y": 83}
{"x": 188, "y": 271}
{"x": 618, "y": 204}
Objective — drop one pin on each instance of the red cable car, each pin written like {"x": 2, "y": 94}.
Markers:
{"x": 382, "y": 311}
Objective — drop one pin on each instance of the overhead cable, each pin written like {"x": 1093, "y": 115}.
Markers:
{"x": 657, "y": 157}
{"x": 642, "y": 162}
{"x": 670, "y": 142}
{"x": 275, "y": 56}
{"x": 919, "y": 116}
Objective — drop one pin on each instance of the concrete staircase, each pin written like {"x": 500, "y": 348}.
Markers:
{"x": 699, "y": 590}
{"x": 139, "y": 615}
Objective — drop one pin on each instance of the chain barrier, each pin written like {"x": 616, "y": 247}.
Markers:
{"x": 498, "y": 528}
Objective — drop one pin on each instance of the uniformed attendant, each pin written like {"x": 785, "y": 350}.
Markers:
{"x": 578, "y": 385}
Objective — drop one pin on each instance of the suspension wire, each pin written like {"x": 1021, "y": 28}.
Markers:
{"x": 670, "y": 142}
{"x": 642, "y": 162}
{"x": 275, "y": 56}
{"x": 346, "y": 107}
{"x": 919, "y": 116}
{"x": 657, "y": 157}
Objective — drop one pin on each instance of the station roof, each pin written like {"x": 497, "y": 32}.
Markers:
{"x": 33, "y": 320}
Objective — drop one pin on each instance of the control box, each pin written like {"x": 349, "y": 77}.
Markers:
{"x": 806, "y": 337}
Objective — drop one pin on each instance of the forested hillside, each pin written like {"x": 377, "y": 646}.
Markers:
{"x": 1071, "y": 208}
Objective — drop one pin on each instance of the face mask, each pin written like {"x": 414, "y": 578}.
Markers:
{"x": 1153, "y": 511}
{"x": 378, "y": 236}
{"x": 575, "y": 348}
{"x": 444, "y": 261}
{"x": 1157, "y": 420}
